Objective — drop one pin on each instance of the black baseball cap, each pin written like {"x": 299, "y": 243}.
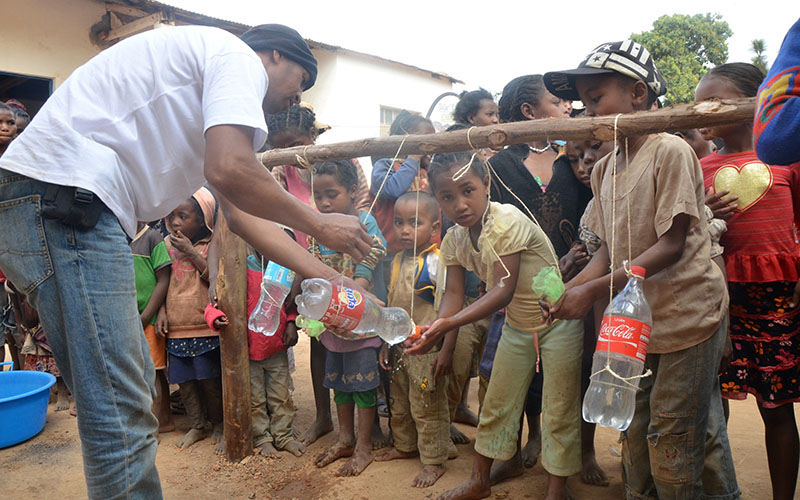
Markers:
{"x": 626, "y": 57}
{"x": 286, "y": 41}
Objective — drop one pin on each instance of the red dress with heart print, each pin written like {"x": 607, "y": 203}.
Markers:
{"x": 761, "y": 244}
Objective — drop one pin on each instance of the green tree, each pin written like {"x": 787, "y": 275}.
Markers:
{"x": 684, "y": 47}
{"x": 759, "y": 48}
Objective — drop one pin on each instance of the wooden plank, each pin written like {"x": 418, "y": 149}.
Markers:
{"x": 232, "y": 293}
{"x": 686, "y": 116}
{"x": 134, "y": 27}
{"x": 125, "y": 10}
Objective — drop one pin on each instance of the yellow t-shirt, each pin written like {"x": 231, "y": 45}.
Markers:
{"x": 507, "y": 231}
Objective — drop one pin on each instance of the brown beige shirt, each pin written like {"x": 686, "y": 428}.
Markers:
{"x": 664, "y": 179}
{"x": 507, "y": 231}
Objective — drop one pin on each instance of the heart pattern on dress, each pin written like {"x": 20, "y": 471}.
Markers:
{"x": 750, "y": 182}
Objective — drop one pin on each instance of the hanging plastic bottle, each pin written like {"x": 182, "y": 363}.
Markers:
{"x": 275, "y": 286}
{"x": 619, "y": 356}
{"x": 343, "y": 307}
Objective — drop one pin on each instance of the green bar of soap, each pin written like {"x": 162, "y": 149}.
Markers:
{"x": 548, "y": 284}
{"x": 312, "y": 327}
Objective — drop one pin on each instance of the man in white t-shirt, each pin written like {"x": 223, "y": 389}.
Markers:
{"x": 127, "y": 137}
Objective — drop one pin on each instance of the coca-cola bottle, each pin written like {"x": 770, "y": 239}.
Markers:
{"x": 348, "y": 309}
{"x": 619, "y": 356}
{"x": 275, "y": 286}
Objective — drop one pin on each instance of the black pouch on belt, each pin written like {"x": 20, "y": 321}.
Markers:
{"x": 73, "y": 206}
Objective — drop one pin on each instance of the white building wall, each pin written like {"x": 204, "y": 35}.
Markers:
{"x": 351, "y": 89}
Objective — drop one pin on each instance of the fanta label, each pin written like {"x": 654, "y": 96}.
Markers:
{"x": 345, "y": 309}
{"x": 624, "y": 336}
{"x": 279, "y": 274}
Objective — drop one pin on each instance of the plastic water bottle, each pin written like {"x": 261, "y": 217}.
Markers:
{"x": 343, "y": 307}
{"x": 275, "y": 286}
{"x": 622, "y": 342}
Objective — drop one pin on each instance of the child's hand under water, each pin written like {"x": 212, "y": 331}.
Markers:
{"x": 384, "y": 358}
{"x": 429, "y": 336}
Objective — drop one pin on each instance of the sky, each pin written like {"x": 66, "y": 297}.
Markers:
{"x": 489, "y": 43}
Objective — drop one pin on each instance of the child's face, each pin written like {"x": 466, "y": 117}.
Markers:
{"x": 8, "y": 127}
{"x": 712, "y": 87}
{"x": 488, "y": 114}
{"x": 186, "y": 220}
{"x": 610, "y": 94}
{"x": 701, "y": 146}
{"x": 331, "y": 196}
{"x": 582, "y": 156}
{"x": 463, "y": 201}
{"x": 405, "y": 224}
{"x": 290, "y": 139}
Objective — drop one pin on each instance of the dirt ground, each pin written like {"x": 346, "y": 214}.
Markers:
{"x": 49, "y": 465}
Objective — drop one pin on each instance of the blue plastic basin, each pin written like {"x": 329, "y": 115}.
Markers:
{"x": 23, "y": 405}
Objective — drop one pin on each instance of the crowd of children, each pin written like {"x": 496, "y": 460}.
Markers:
{"x": 457, "y": 240}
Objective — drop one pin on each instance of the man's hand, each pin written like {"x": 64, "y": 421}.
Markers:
{"x": 344, "y": 233}
{"x": 443, "y": 364}
{"x": 429, "y": 336}
{"x": 572, "y": 263}
{"x": 721, "y": 206}
{"x": 181, "y": 243}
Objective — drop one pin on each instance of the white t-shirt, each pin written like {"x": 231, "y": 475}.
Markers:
{"x": 129, "y": 124}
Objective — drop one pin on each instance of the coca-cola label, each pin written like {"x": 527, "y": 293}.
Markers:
{"x": 624, "y": 336}
{"x": 345, "y": 309}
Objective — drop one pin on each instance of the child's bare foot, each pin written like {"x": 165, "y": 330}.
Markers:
{"x": 394, "y": 454}
{"x": 471, "y": 490}
{"x": 428, "y": 476}
{"x": 319, "y": 428}
{"x": 74, "y": 411}
{"x": 62, "y": 403}
{"x": 591, "y": 473}
{"x": 266, "y": 448}
{"x": 530, "y": 454}
{"x": 216, "y": 433}
{"x": 458, "y": 437}
{"x": 191, "y": 437}
{"x": 507, "y": 469}
{"x": 465, "y": 416}
{"x": 361, "y": 458}
{"x": 334, "y": 453}
{"x": 379, "y": 439}
{"x": 557, "y": 490}
{"x": 295, "y": 447}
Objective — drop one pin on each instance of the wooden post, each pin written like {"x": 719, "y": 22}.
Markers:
{"x": 232, "y": 293}
{"x": 685, "y": 116}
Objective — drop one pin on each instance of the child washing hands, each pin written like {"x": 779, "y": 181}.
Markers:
{"x": 506, "y": 250}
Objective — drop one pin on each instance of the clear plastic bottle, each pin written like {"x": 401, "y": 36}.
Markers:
{"x": 343, "y": 307}
{"x": 275, "y": 286}
{"x": 624, "y": 335}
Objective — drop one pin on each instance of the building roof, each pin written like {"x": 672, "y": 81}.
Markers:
{"x": 139, "y": 8}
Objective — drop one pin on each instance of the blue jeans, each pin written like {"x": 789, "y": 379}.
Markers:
{"x": 678, "y": 417}
{"x": 82, "y": 284}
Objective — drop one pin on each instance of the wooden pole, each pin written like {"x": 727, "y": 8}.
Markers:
{"x": 685, "y": 116}
{"x": 232, "y": 293}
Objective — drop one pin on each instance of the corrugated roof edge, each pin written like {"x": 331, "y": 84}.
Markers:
{"x": 187, "y": 16}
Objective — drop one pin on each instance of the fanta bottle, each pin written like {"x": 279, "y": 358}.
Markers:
{"x": 619, "y": 356}
{"x": 348, "y": 309}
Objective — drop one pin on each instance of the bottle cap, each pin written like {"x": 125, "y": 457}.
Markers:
{"x": 415, "y": 333}
{"x": 638, "y": 271}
